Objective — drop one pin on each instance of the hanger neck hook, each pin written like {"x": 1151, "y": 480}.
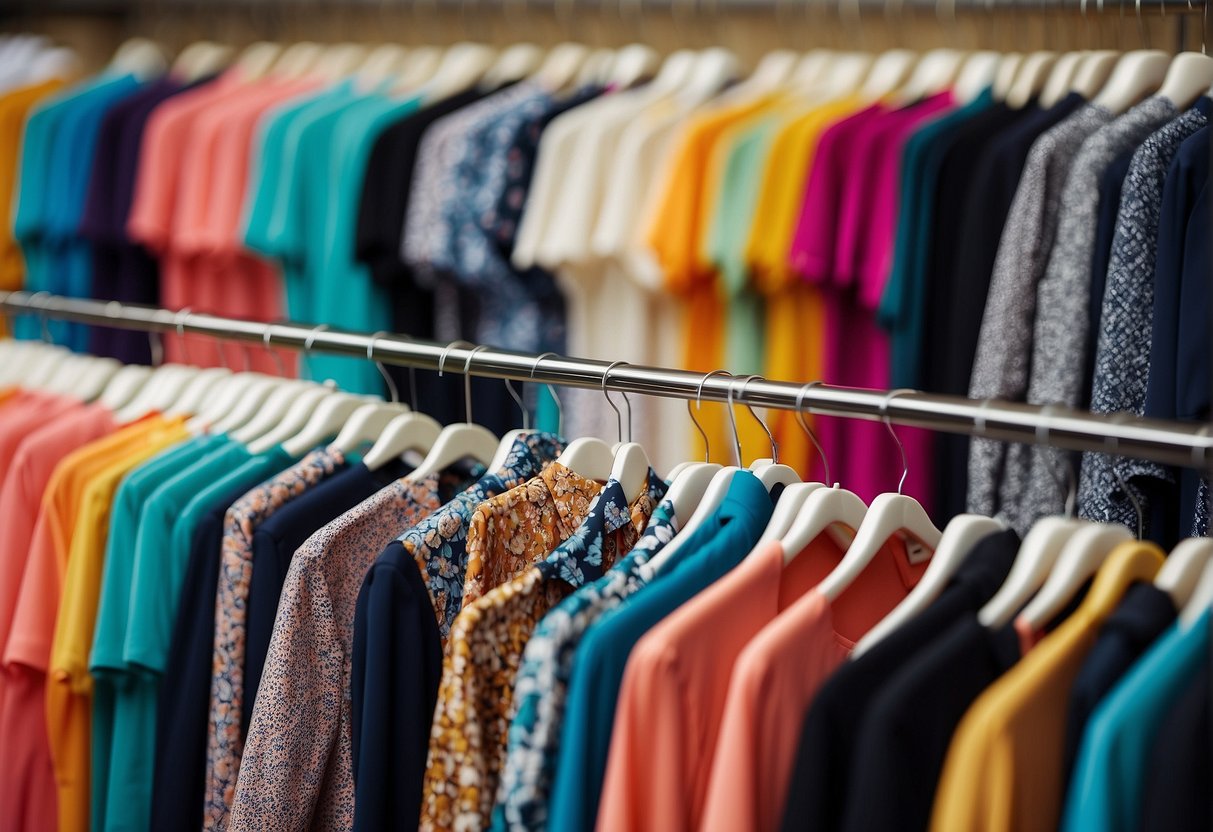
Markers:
{"x": 467, "y": 380}
{"x": 551, "y": 390}
{"x": 1064, "y": 467}
{"x": 442, "y": 364}
{"x": 733, "y": 425}
{"x": 1114, "y": 452}
{"x": 606, "y": 374}
{"x": 311, "y": 339}
{"x": 707, "y": 450}
{"x": 266, "y": 335}
{"x": 888, "y": 423}
{"x": 753, "y": 413}
{"x": 179, "y": 323}
{"x": 370, "y": 356}
{"x": 800, "y": 410}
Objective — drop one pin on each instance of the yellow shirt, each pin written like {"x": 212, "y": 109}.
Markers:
{"x": 795, "y": 314}
{"x": 104, "y": 464}
{"x": 677, "y": 226}
{"x": 1004, "y": 766}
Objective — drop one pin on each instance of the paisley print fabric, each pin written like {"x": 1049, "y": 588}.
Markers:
{"x": 542, "y": 682}
{"x": 467, "y": 742}
{"x": 296, "y": 773}
{"x": 439, "y": 542}
{"x": 224, "y": 738}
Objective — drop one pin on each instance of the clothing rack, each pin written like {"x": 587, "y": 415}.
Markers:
{"x": 1182, "y": 444}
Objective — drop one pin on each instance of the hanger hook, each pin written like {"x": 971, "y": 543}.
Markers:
{"x": 309, "y": 341}
{"x": 707, "y": 450}
{"x": 1070, "y": 485}
{"x": 179, "y": 324}
{"x": 526, "y": 414}
{"x": 627, "y": 403}
{"x": 551, "y": 389}
{"x": 467, "y": 380}
{"x": 733, "y": 424}
{"x": 825, "y": 463}
{"x": 1124, "y": 486}
{"x": 761, "y": 424}
{"x": 266, "y": 335}
{"x": 888, "y": 423}
{"x": 1141, "y": 26}
{"x": 370, "y": 356}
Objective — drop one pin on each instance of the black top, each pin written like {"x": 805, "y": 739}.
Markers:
{"x": 983, "y": 200}
{"x": 183, "y": 714}
{"x": 274, "y": 545}
{"x": 1176, "y": 796}
{"x": 1140, "y": 617}
{"x": 397, "y": 667}
{"x": 824, "y": 759}
{"x": 904, "y": 738}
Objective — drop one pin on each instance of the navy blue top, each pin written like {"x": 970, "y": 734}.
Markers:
{"x": 397, "y": 636}
{"x": 185, "y": 690}
{"x": 1140, "y": 618}
{"x": 1110, "y": 186}
{"x": 1192, "y": 356}
{"x": 1180, "y": 768}
{"x": 825, "y": 757}
{"x": 274, "y": 544}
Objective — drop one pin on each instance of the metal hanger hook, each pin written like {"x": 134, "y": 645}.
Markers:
{"x": 627, "y": 403}
{"x": 1124, "y": 486}
{"x": 733, "y": 424}
{"x": 761, "y": 424}
{"x": 526, "y": 414}
{"x": 825, "y": 463}
{"x": 884, "y": 417}
{"x": 1065, "y": 464}
{"x": 265, "y": 342}
{"x": 179, "y": 324}
{"x": 370, "y": 356}
{"x": 467, "y": 380}
{"x": 707, "y": 449}
{"x": 309, "y": 341}
{"x": 551, "y": 389}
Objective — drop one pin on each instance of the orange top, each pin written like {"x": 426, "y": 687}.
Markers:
{"x": 673, "y": 693}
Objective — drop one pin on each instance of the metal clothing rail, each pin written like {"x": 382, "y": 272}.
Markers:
{"x": 1171, "y": 443}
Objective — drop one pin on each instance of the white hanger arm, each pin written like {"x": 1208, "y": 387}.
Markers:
{"x": 1188, "y": 78}
{"x": 1200, "y": 600}
{"x": 1181, "y": 571}
{"x": 888, "y": 72}
{"x": 889, "y": 515}
{"x": 297, "y": 415}
{"x": 407, "y": 432}
{"x": 786, "y": 510}
{"x": 512, "y": 63}
{"x": 459, "y": 441}
{"x": 711, "y": 500}
{"x": 1137, "y": 75}
{"x": 1093, "y": 72}
{"x": 688, "y": 486}
{"x": 159, "y": 394}
{"x": 1082, "y": 555}
{"x": 236, "y": 403}
{"x": 960, "y": 538}
{"x": 1031, "y": 568}
{"x": 825, "y": 510}
{"x": 630, "y": 469}
{"x": 198, "y": 391}
{"x": 1030, "y": 80}
{"x": 1061, "y": 79}
{"x": 326, "y": 421}
{"x": 124, "y": 385}
{"x": 775, "y": 474}
{"x": 588, "y": 457}
{"x": 633, "y": 63}
{"x": 976, "y": 74}
{"x": 366, "y": 424}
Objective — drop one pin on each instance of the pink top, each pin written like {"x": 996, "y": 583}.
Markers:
{"x": 673, "y": 693}
{"x": 844, "y": 240}
{"x": 774, "y": 681}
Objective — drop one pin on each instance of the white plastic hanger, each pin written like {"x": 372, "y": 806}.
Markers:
{"x": 512, "y": 63}
{"x": 1137, "y": 75}
{"x": 1093, "y": 72}
{"x": 256, "y": 59}
{"x": 198, "y": 391}
{"x": 326, "y": 421}
{"x": 200, "y": 59}
{"x": 1004, "y": 78}
{"x": 688, "y": 487}
{"x": 960, "y": 537}
{"x": 410, "y": 431}
{"x": 976, "y": 74}
{"x": 366, "y": 423}
{"x": 339, "y": 61}
{"x": 462, "y": 66}
{"x": 1031, "y": 78}
{"x": 770, "y": 471}
{"x": 1033, "y": 563}
{"x": 463, "y": 440}
{"x": 159, "y": 394}
{"x": 91, "y": 378}
{"x": 633, "y": 63}
{"x": 559, "y": 68}
{"x": 772, "y": 72}
{"x": 421, "y": 63}
{"x": 630, "y": 466}
{"x": 508, "y": 441}
{"x": 140, "y": 57}
{"x": 381, "y": 63}
{"x": 1181, "y": 571}
{"x": 235, "y": 403}
{"x": 1189, "y": 77}
{"x": 888, "y": 72}
{"x": 123, "y": 386}
{"x": 813, "y": 68}
{"x": 1200, "y": 600}
{"x": 1061, "y": 79}
{"x": 297, "y": 60}
{"x": 1079, "y": 559}
{"x": 298, "y": 414}
{"x": 791, "y": 501}
{"x": 889, "y": 515}
{"x": 934, "y": 72}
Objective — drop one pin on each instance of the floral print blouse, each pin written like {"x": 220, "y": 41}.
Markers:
{"x": 439, "y": 542}
{"x": 225, "y": 740}
{"x": 541, "y": 686}
{"x": 298, "y": 761}
{"x": 467, "y": 741}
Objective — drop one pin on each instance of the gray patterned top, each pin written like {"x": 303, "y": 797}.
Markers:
{"x": 1000, "y": 367}
{"x": 1122, "y": 359}
{"x": 1029, "y": 488}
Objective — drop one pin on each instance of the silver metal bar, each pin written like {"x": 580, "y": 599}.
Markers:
{"x": 1186, "y": 444}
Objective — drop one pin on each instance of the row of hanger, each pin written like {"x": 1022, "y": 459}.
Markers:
{"x": 1057, "y": 557}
